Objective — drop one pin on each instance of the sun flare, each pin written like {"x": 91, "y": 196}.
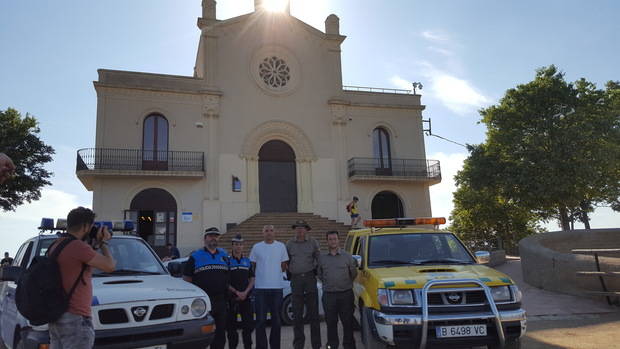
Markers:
{"x": 275, "y": 5}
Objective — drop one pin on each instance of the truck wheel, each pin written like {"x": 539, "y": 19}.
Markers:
{"x": 369, "y": 340}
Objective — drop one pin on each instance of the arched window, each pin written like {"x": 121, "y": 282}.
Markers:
{"x": 381, "y": 147}
{"x": 155, "y": 143}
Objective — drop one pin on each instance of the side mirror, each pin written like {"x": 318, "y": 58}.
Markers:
{"x": 10, "y": 273}
{"x": 175, "y": 269}
{"x": 358, "y": 260}
{"x": 483, "y": 257}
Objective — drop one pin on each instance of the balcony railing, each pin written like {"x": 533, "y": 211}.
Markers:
{"x": 374, "y": 168}
{"x": 139, "y": 160}
{"x": 376, "y": 89}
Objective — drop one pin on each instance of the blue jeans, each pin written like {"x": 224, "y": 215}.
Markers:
{"x": 72, "y": 332}
{"x": 268, "y": 300}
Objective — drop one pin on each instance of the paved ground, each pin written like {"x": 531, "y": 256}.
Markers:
{"x": 555, "y": 321}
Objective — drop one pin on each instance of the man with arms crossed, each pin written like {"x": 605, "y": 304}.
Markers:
{"x": 303, "y": 252}
{"x": 74, "y": 329}
{"x": 337, "y": 270}
{"x": 269, "y": 259}
{"x": 208, "y": 268}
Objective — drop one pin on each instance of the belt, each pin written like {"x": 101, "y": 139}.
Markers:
{"x": 308, "y": 273}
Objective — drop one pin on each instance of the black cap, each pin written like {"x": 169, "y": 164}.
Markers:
{"x": 301, "y": 223}
{"x": 213, "y": 230}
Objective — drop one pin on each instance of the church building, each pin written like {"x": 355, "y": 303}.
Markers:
{"x": 264, "y": 128}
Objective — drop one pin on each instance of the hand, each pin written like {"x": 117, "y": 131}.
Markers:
{"x": 103, "y": 234}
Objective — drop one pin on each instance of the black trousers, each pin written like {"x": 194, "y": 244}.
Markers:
{"x": 339, "y": 305}
{"x": 305, "y": 293}
{"x": 219, "y": 311}
{"x": 244, "y": 309}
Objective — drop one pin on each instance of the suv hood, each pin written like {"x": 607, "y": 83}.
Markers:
{"x": 417, "y": 276}
{"x": 122, "y": 289}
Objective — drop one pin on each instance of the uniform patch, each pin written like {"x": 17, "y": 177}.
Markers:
{"x": 410, "y": 282}
{"x": 389, "y": 284}
{"x": 485, "y": 279}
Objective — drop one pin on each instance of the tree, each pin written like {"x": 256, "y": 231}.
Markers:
{"x": 482, "y": 217}
{"x": 555, "y": 147}
{"x": 19, "y": 139}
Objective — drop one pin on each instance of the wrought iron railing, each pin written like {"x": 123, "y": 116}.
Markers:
{"x": 138, "y": 160}
{"x": 376, "y": 89}
{"x": 390, "y": 167}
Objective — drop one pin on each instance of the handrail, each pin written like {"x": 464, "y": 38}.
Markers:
{"x": 376, "y": 89}
{"x": 595, "y": 251}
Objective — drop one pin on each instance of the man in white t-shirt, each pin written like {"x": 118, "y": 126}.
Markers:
{"x": 269, "y": 259}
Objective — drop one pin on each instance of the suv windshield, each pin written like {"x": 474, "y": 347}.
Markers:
{"x": 416, "y": 249}
{"x": 132, "y": 257}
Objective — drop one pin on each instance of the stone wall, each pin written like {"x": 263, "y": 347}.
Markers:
{"x": 547, "y": 261}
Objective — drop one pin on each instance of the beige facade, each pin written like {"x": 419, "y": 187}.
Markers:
{"x": 259, "y": 77}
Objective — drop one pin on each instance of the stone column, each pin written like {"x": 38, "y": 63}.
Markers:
{"x": 304, "y": 185}
{"x": 251, "y": 165}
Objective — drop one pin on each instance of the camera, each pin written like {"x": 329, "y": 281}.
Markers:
{"x": 91, "y": 238}
{"x": 119, "y": 226}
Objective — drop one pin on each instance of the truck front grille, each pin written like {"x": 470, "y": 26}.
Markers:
{"x": 113, "y": 316}
{"x": 162, "y": 311}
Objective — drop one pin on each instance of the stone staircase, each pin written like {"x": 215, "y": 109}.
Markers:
{"x": 251, "y": 229}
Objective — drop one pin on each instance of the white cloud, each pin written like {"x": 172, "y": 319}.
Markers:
{"x": 20, "y": 225}
{"x": 434, "y": 36}
{"x": 441, "y": 51}
{"x": 442, "y": 193}
{"x": 401, "y": 83}
{"x": 459, "y": 95}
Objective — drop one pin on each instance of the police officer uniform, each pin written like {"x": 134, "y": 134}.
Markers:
{"x": 210, "y": 272}
{"x": 241, "y": 272}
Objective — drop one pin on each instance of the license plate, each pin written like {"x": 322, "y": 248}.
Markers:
{"x": 162, "y": 346}
{"x": 461, "y": 331}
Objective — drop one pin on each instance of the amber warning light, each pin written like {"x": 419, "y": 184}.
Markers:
{"x": 399, "y": 222}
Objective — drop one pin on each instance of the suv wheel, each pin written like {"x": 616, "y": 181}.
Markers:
{"x": 368, "y": 338}
{"x": 286, "y": 312}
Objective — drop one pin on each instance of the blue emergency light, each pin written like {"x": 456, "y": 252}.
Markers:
{"x": 47, "y": 224}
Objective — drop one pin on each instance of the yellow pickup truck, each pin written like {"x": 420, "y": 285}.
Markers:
{"x": 419, "y": 287}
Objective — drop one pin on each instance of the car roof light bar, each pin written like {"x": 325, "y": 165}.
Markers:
{"x": 401, "y": 222}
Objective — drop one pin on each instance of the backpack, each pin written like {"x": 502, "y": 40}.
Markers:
{"x": 349, "y": 208}
{"x": 40, "y": 296}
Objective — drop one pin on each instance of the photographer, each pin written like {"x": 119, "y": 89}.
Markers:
{"x": 74, "y": 329}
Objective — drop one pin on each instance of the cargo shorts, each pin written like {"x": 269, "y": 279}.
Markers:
{"x": 72, "y": 331}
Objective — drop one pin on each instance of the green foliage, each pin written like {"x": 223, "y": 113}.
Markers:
{"x": 552, "y": 151}
{"x": 19, "y": 140}
{"x": 482, "y": 217}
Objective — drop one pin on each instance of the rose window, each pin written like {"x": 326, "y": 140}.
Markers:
{"x": 274, "y": 72}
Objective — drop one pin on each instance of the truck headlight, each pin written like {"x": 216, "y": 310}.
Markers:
{"x": 501, "y": 293}
{"x": 199, "y": 307}
{"x": 517, "y": 293}
{"x": 382, "y": 296}
{"x": 402, "y": 297}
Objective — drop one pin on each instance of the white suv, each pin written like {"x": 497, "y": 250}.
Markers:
{"x": 139, "y": 305}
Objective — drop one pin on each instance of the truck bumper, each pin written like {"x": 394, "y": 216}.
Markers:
{"x": 177, "y": 335}
{"x": 405, "y": 329}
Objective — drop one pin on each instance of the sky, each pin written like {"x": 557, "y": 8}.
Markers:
{"x": 465, "y": 53}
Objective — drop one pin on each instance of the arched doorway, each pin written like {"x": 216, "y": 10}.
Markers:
{"x": 153, "y": 212}
{"x": 386, "y": 204}
{"x": 277, "y": 177}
